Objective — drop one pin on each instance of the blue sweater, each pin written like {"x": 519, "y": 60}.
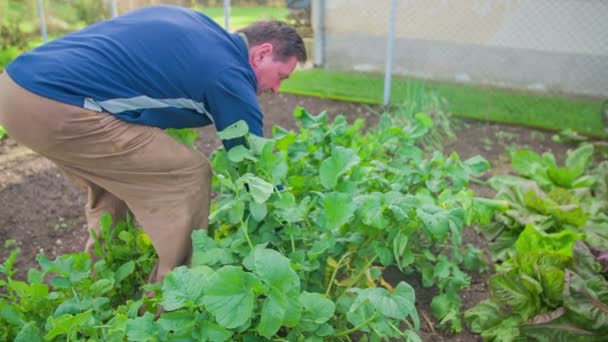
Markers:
{"x": 162, "y": 66}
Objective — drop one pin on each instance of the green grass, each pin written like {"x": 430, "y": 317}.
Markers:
{"x": 243, "y": 16}
{"x": 537, "y": 111}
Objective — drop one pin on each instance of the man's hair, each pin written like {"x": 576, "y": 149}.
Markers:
{"x": 284, "y": 38}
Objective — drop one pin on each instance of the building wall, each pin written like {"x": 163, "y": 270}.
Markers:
{"x": 547, "y": 45}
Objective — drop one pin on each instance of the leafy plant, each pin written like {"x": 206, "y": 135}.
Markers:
{"x": 302, "y": 230}
{"x": 554, "y": 289}
{"x": 552, "y": 198}
{"x": 343, "y": 193}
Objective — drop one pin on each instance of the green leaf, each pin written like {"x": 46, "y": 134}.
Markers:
{"x": 371, "y": 210}
{"x": 580, "y": 158}
{"x": 105, "y": 225}
{"x": 207, "y": 252}
{"x": 142, "y": 328}
{"x": 29, "y": 333}
{"x": 178, "y": 322}
{"x": 260, "y": 189}
{"x": 341, "y": 160}
{"x": 473, "y": 259}
{"x": 236, "y": 130}
{"x": 258, "y": 210}
{"x": 67, "y": 324}
{"x": 273, "y": 312}
{"x": 239, "y": 153}
{"x": 308, "y": 120}
{"x": 399, "y": 247}
{"x": 10, "y": 314}
{"x": 212, "y": 332}
{"x": 446, "y": 308}
{"x": 478, "y": 165}
{"x": 186, "y": 136}
{"x": 398, "y": 305}
{"x": 317, "y": 308}
{"x": 424, "y": 119}
{"x": 516, "y": 291}
{"x": 338, "y": 209}
{"x": 436, "y": 221}
{"x": 533, "y": 240}
{"x": 527, "y": 162}
{"x": 102, "y": 286}
{"x": 273, "y": 269}
{"x": 124, "y": 271}
{"x": 230, "y": 295}
{"x": 183, "y": 287}
{"x": 487, "y": 319}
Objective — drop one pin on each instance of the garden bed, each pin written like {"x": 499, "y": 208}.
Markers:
{"x": 43, "y": 212}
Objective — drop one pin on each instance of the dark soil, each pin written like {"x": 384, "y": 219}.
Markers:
{"x": 43, "y": 212}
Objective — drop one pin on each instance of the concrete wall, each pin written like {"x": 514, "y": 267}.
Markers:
{"x": 546, "y": 45}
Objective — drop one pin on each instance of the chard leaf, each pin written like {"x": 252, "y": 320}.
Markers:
{"x": 533, "y": 240}
{"x": 484, "y": 316}
{"x": 516, "y": 291}
{"x": 528, "y": 163}
{"x": 580, "y": 158}
{"x": 551, "y": 279}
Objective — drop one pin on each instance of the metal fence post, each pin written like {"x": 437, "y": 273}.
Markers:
{"x": 318, "y": 27}
{"x": 227, "y": 14}
{"x": 114, "y": 8}
{"x": 389, "y": 53}
{"x": 42, "y": 21}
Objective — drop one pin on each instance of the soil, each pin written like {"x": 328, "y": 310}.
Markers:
{"x": 42, "y": 211}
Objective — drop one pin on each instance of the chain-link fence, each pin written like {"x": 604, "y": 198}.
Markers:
{"x": 551, "y": 46}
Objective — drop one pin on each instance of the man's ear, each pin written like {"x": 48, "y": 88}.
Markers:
{"x": 259, "y": 52}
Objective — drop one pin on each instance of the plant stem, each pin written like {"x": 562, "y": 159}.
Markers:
{"x": 335, "y": 272}
{"x": 245, "y": 230}
{"x": 358, "y": 326}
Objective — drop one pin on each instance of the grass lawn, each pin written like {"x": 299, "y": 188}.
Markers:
{"x": 243, "y": 16}
{"x": 544, "y": 112}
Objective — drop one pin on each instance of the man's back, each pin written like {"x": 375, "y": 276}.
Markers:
{"x": 158, "y": 57}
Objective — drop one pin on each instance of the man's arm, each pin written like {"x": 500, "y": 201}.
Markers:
{"x": 232, "y": 97}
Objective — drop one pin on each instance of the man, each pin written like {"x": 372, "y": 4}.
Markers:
{"x": 96, "y": 101}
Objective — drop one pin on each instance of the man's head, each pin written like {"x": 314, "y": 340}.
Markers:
{"x": 275, "y": 48}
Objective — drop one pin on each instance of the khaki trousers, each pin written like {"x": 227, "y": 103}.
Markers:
{"x": 122, "y": 166}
